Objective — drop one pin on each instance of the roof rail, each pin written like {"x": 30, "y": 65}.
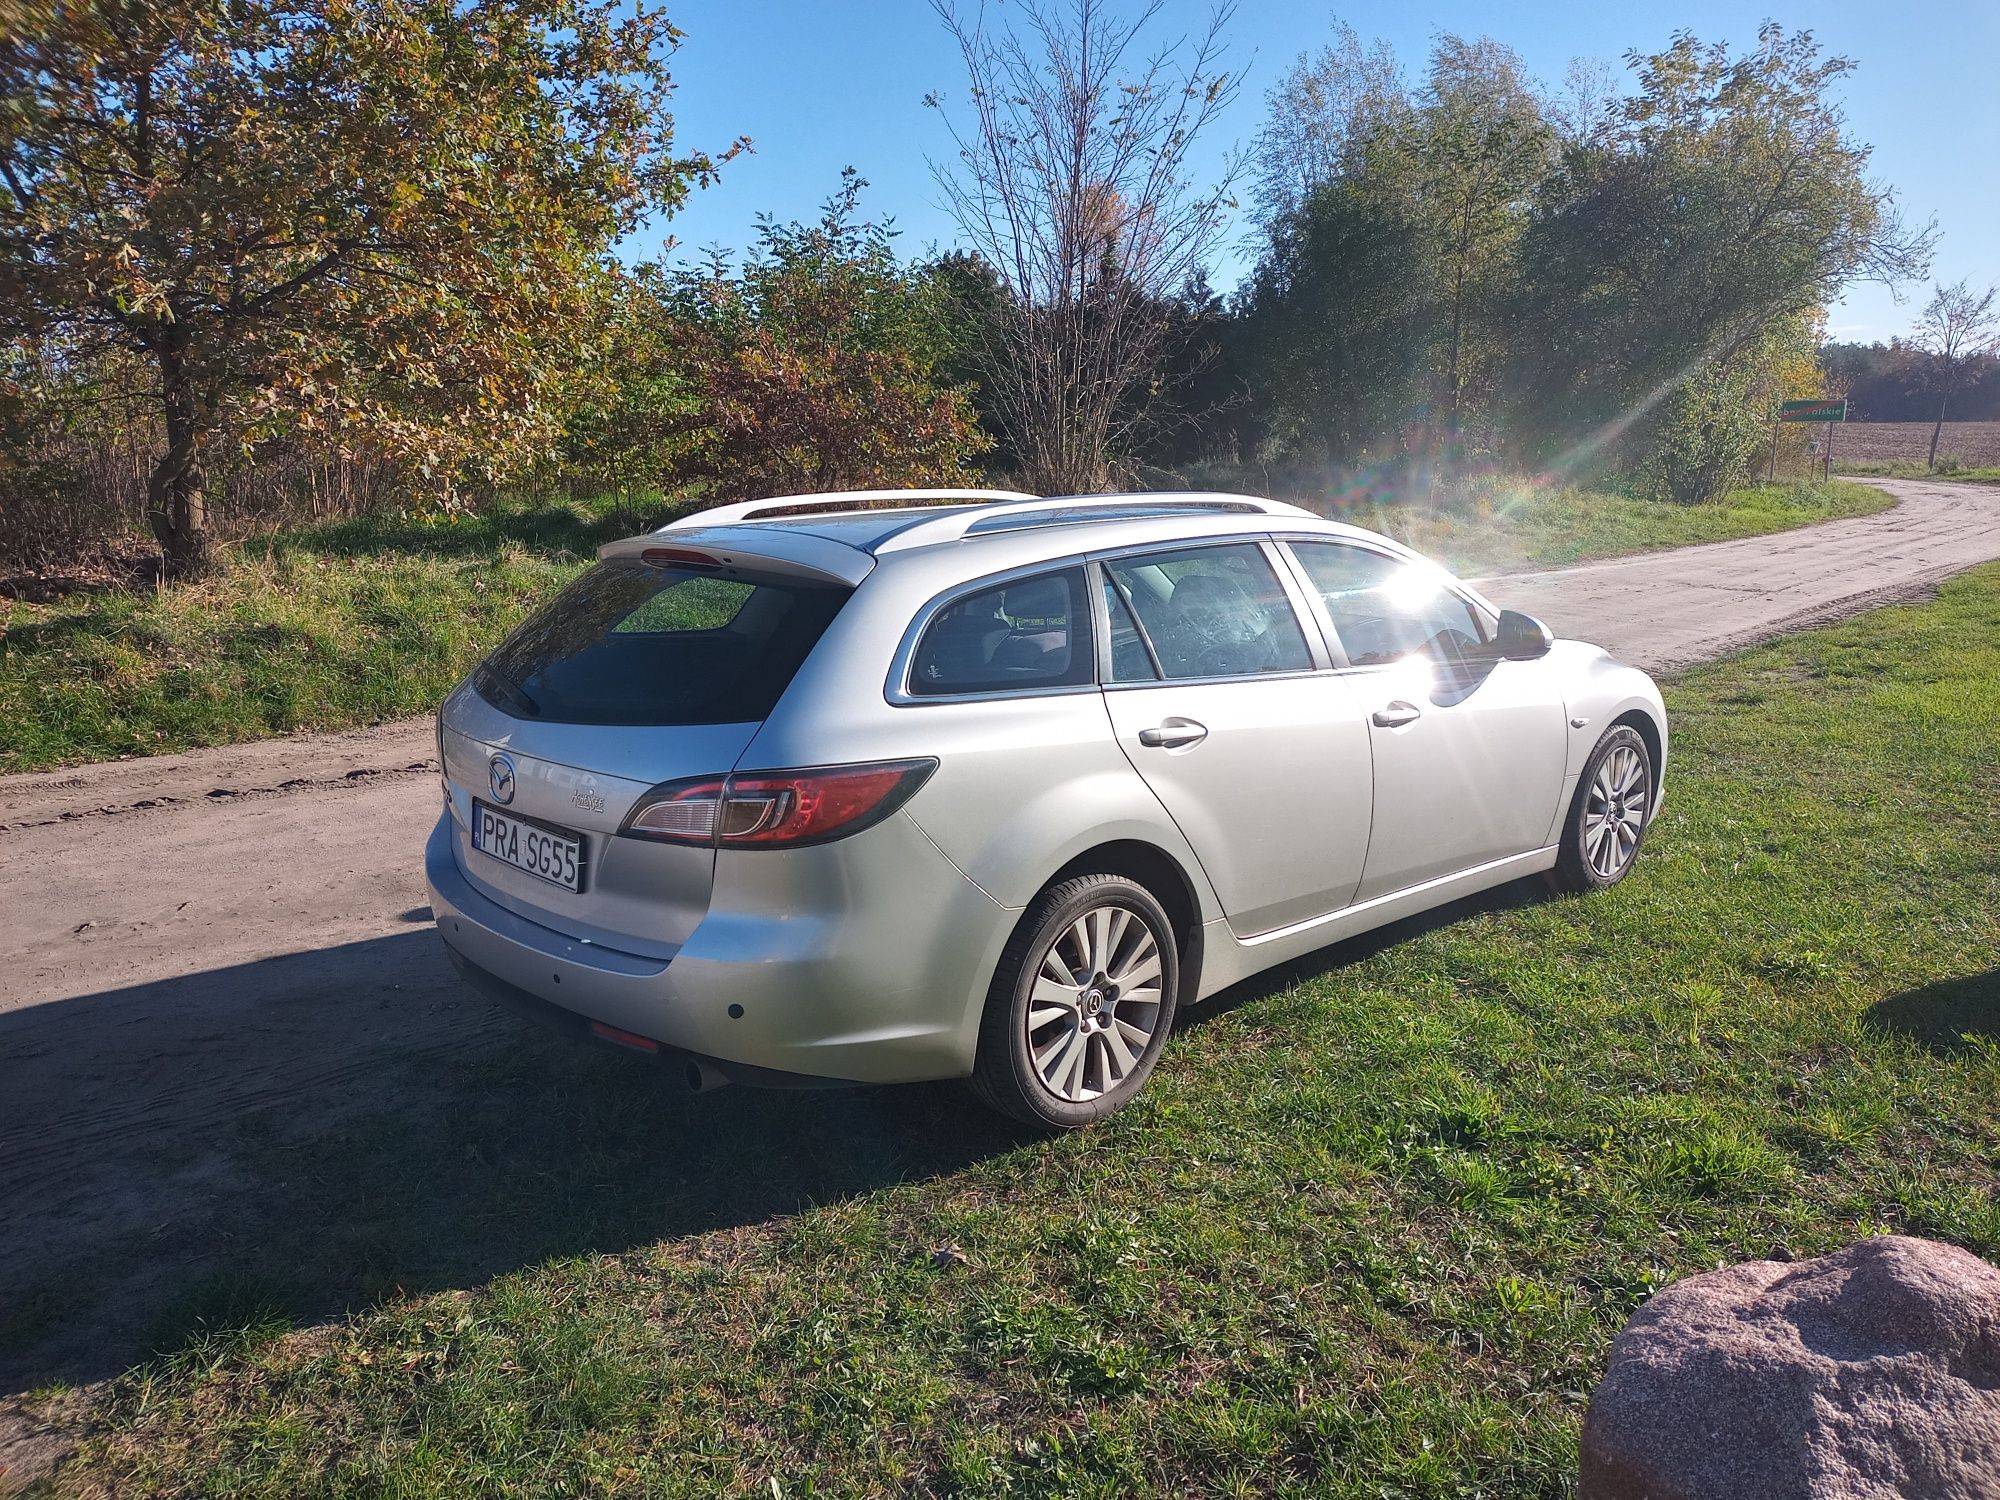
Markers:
{"x": 1069, "y": 509}
{"x": 783, "y": 507}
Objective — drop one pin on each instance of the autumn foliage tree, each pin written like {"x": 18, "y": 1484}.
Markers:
{"x": 1724, "y": 198}
{"x": 384, "y": 220}
{"x": 817, "y": 367}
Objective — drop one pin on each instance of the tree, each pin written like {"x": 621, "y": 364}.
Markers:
{"x": 1885, "y": 382}
{"x": 1072, "y": 180}
{"x": 1483, "y": 147}
{"x": 1391, "y": 254}
{"x": 1728, "y": 197}
{"x": 1958, "y": 328}
{"x": 1710, "y": 427}
{"x": 635, "y": 393}
{"x": 1326, "y": 108}
{"x": 1201, "y": 401}
{"x": 817, "y": 367}
{"x": 1587, "y": 104}
{"x": 347, "y": 215}
{"x": 972, "y": 308}
{"x": 1340, "y": 321}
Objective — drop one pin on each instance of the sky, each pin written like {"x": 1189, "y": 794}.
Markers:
{"x": 819, "y": 85}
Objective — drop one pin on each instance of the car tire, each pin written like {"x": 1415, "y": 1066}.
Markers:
{"x": 1609, "y": 815}
{"x": 1060, "y": 1055}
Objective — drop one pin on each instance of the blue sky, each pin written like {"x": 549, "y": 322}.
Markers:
{"x": 821, "y": 86}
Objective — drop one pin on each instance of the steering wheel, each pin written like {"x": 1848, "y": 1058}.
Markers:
{"x": 1450, "y": 645}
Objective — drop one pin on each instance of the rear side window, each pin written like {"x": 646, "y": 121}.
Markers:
{"x": 1131, "y": 657}
{"x": 629, "y": 643}
{"x": 1208, "y": 612}
{"x": 1030, "y": 633}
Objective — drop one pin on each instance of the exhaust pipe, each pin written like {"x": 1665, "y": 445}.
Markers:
{"x": 703, "y": 1077}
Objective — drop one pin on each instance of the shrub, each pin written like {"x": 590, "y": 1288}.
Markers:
{"x": 816, "y": 367}
{"x": 1705, "y": 438}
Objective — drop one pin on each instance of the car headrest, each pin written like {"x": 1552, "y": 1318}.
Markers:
{"x": 961, "y": 620}
{"x": 1037, "y": 599}
{"x": 1206, "y": 590}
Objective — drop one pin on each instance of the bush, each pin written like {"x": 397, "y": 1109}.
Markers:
{"x": 78, "y": 438}
{"x": 817, "y": 367}
{"x": 1715, "y": 423}
{"x": 1705, "y": 438}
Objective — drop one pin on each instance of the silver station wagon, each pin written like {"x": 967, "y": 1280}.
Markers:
{"x": 882, "y": 787}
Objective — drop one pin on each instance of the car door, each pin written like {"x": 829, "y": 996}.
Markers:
{"x": 1468, "y": 750}
{"x": 1222, "y": 700}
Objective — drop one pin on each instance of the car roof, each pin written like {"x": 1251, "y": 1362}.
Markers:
{"x": 845, "y": 535}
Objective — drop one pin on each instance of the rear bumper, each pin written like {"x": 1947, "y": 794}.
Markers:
{"x": 860, "y": 961}
{"x": 578, "y": 1028}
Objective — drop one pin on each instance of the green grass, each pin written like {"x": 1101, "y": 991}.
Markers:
{"x": 325, "y": 628}
{"x": 1512, "y": 527}
{"x": 1369, "y": 1232}
{"x": 1947, "y": 470}
{"x": 373, "y": 620}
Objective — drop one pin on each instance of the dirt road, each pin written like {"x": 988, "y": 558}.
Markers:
{"x": 202, "y": 950}
{"x": 1670, "y": 609}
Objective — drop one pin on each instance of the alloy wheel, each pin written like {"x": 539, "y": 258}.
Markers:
{"x": 1615, "y": 815}
{"x": 1096, "y": 1003}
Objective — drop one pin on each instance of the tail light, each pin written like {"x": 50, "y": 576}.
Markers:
{"x": 775, "y": 809}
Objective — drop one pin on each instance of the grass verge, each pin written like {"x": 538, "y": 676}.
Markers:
{"x": 1369, "y": 1232}
{"x": 321, "y": 628}
{"x": 1950, "y": 473}
{"x": 371, "y": 620}
{"x": 1512, "y": 529}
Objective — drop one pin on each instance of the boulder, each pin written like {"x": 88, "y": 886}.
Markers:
{"x": 1871, "y": 1372}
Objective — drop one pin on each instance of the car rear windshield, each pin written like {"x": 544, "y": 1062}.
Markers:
{"x": 630, "y": 643}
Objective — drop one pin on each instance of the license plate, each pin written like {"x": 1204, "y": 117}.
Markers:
{"x": 550, "y": 854}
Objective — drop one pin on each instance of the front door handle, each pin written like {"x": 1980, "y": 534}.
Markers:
{"x": 1174, "y": 734}
{"x": 1397, "y": 714}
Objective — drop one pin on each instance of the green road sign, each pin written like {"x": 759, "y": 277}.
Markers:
{"x": 1813, "y": 411}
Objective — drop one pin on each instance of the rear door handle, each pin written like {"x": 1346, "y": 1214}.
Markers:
{"x": 1397, "y": 714}
{"x": 1174, "y": 734}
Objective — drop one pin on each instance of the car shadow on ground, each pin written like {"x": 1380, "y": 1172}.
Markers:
{"x": 1949, "y": 1017}
{"x": 420, "y": 1139}
{"x": 1513, "y": 896}
{"x": 423, "y": 1140}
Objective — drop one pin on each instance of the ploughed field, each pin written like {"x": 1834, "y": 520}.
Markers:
{"x": 1973, "y": 444}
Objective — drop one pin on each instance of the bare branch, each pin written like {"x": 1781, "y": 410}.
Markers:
{"x": 1071, "y": 179}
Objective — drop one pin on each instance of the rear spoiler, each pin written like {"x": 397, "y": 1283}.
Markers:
{"x": 762, "y": 551}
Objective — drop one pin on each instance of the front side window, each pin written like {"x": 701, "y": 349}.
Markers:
{"x": 1031, "y": 633}
{"x": 1208, "y": 612}
{"x": 1386, "y": 608}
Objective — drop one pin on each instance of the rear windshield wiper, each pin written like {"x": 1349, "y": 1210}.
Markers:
{"x": 511, "y": 690}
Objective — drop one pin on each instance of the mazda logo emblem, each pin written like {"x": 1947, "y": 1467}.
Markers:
{"x": 500, "y": 776}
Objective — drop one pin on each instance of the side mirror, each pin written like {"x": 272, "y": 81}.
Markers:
{"x": 1520, "y": 637}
